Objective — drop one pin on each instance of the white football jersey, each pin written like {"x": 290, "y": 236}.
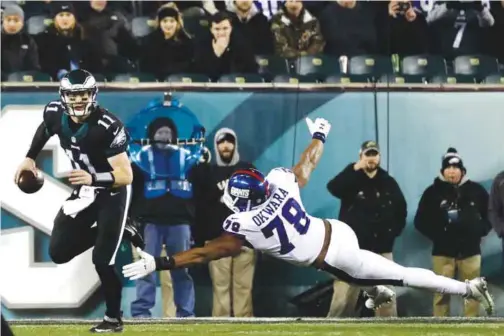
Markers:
{"x": 281, "y": 227}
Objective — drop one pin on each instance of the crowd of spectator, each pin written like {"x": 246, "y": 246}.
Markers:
{"x": 215, "y": 38}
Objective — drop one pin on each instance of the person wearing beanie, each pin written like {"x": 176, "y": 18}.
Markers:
{"x": 162, "y": 205}
{"x": 232, "y": 277}
{"x": 62, "y": 46}
{"x": 373, "y": 205}
{"x": 168, "y": 49}
{"x": 452, "y": 213}
{"x": 19, "y": 50}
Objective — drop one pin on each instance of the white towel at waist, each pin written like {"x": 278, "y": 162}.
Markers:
{"x": 86, "y": 197}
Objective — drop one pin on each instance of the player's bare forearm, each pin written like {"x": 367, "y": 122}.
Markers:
{"x": 122, "y": 172}
{"x": 308, "y": 162}
{"x": 225, "y": 246}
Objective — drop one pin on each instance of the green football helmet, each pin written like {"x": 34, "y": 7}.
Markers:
{"x": 78, "y": 92}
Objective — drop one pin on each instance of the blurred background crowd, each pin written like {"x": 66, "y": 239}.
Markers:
{"x": 458, "y": 41}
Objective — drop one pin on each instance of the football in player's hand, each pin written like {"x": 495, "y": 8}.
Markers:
{"x": 29, "y": 182}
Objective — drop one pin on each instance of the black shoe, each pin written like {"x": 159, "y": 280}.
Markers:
{"x": 132, "y": 233}
{"x": 108, "y": 325}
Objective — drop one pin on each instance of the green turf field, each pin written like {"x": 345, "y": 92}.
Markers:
{"x": 266, "y": 329}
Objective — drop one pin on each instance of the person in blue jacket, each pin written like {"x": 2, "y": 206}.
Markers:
{"x": 162, "y": 203}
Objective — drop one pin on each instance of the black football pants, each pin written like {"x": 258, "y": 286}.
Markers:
{"x": 72, "y": 236}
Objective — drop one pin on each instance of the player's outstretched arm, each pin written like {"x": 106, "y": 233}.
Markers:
{"x": 39, "y": 140}
{"x": 121, "y": 169}
{"x": 226, "y": 245}
{"x": 312, "y": 154}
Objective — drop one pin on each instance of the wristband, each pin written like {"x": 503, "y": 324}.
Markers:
{"x": 165, "y": 263}
{"x": 106, "y": 180}
{"x": 319, "y": 136}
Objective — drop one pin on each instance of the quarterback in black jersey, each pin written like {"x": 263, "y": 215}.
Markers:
{"x": 96, "y": 143}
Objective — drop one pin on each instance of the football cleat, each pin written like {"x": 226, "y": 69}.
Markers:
{"x": 477, "y": 289}
{"x": 108, "y": 325}
{"x": 378, "y": 296}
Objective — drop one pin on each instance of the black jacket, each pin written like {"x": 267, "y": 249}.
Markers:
{"x": 457, "y": 236}
{"x": 208, "y": 182}
{"x": 163, "y": 57}
{"x": 56, "y": 51}
{"x": 237, "y": 58}
{"x": 374, "y": 208}
{"x": 19, "y": 53}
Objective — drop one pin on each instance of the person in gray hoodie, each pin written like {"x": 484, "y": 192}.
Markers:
{"x": 232, "y": 277}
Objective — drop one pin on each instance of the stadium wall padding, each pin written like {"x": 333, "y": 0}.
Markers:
{"x": 414, "y": 128}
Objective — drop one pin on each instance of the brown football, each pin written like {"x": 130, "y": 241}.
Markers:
{"x": 29, "y": 183}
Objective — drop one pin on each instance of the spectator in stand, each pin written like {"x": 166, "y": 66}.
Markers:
{"x": 223, "y": 52}
{"x": 168, "y": 49}
{"x": 351, "y": 27}
{"x": 453, "y": 214}
{"x": 62, "y": 46}
{"x": 109, "y": 36}
{"x": 252, "y": 25}
{"x": 496, "y": 33}
{"x": 295, "y": 31}
{"x": 19, "y": 50}
{"x": 407, "y": 30}
{"x": 267, "y": 7}
{"x": 457, "y": 27}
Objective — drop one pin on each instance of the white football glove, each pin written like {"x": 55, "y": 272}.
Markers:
{"x": 319, "y": 128}
{"x": 145, "y": 266}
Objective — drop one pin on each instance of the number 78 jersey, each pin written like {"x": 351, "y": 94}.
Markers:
{"x": 281, "y": 227}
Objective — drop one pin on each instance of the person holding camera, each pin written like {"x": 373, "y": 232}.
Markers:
{"x": 452, "y": 213}
{"x": 406, "y": 30}
{"x": 459, "y": 27}
{"x": 373, "y": 205}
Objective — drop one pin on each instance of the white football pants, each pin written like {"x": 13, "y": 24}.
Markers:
{"x": 364, "y": 268}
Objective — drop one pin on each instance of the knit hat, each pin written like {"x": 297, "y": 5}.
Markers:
{"x": 60, "y": 7}
{"x": 452, "y": 158}
{"x": 167, "y": 12}
{"x": 13, "y": 10}
{"x": 161, "y": 122}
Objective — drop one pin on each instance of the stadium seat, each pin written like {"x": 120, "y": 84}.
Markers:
{"x": 241, "y": 78}
{"x": 187, "y": 78}
{"x": 28, "y": 76}
{"x": 142, "y": 26}
{"x": 318, "y": 65}
{"x": 346, "y": 79}
{"x": 99, "y": 77}
{"x": 404, "y": 79}
{"x": 196, "y": 26}
{"x": 37, "y": 24}
{"x": 294, "y": 79}
{"x": 373, "y": 66}
{"x": 194, "y": 11}
{"x": 426, "y": 65}
{"x": 453, "y": 79}
{"x": 270, "y": 66}
{"x": 479, "y": 66}
{"x": 139, "y": 77}
{"x": 494, "y": 79}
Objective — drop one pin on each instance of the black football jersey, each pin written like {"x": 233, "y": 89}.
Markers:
{"x": 90, "y": 144}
